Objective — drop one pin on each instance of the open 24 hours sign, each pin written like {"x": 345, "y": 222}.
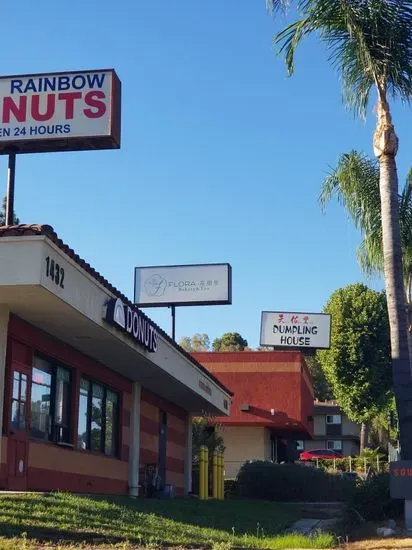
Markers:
{"x": 60, "y": 112}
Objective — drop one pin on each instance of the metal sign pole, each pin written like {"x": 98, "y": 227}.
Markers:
{"x": 173, "y": 308}
{"x": 10, "y": 189}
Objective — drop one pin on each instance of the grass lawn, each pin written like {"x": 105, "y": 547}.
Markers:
{"x": 76, "y": 520}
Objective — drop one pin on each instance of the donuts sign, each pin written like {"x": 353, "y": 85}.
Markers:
{"x": 60, "y": 112}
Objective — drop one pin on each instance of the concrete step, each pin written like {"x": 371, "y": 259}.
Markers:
{"x": 322, "y": 510}
{"x": 306, "y": 526}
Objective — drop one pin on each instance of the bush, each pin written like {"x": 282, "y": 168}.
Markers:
{"x": 372, "y": 499}
{"x": 231, "y": 490}
{"x": 292, "y": 482}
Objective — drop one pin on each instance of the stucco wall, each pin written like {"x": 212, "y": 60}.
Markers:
{"x": 349, "y": 427}
{"x": 319, "y": 425}
{"x": 150, "y": 408}
{"x": 242, "y": 444}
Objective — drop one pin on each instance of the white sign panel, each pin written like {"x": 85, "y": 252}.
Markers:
{"x": 58, "y": 111}
{"x": 295, "y": 330}
{"x": 205, "y": 284}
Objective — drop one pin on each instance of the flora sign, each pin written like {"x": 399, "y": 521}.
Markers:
{"x": 201, "y": 284}
{"x": 60, "y": 112}
{"x": 295, "y": 330}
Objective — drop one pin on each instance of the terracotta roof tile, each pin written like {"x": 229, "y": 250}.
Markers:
{"x": 49, "y": 232}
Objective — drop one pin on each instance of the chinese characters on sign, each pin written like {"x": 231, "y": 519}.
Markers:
{"x": 294, "y": 319}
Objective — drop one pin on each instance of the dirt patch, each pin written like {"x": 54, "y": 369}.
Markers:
{"x": 379, "y": 544}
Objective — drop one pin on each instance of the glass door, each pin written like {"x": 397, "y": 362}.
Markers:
{"x": 17, "y": 448}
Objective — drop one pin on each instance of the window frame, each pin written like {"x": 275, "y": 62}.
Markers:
{"x": 53, "y": 436}
{"x": 334, "y": 417}
{"x": 116, "y": 439}
{"x": 25, "y": 402}
{"x": 333, "y": 448}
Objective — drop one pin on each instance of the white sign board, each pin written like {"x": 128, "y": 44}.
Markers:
{"x": 205, "y": 284}
{"x": 295, "y": 330}
{"x": 60, "y": 111}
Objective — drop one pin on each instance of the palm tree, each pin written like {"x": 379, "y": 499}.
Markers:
{"x": 370, "y": 43}
{"x": 355, "y": 183}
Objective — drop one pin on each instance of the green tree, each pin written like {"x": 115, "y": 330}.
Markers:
{"x": 204, "y": 433}
{"x": 321, "y": 387}
{"x": 16, "y": 220}
{"x": 370, "y": 43}
{"x": 230, "y": 341}
{"x": 355, "y": 183}
{"x": 357, "y": 365}
{"x": 198, "y": 342}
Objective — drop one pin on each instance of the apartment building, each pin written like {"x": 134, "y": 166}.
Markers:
{"x": 332, "y": 430}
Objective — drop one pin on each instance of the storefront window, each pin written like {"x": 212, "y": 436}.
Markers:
{"x": 82, "y": 433}
{"x": 40, "y": 419}
{"x": 50, "y": 401}
{"x": 62, "y": 405}
{"x": 18, "y": 402}
{"x": 98, "y": 418}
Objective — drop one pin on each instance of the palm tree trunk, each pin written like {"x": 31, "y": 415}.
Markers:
{"x": 409, "y": 317}
{"x": 408, "y": 283}
{"x": 386, "y": 146}
{"x": 364, "y": 436}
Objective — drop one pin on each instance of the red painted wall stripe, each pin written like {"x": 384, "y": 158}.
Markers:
{"x": 163, "y": 405}
{"x": 50, "y": 480}
{"x": 149, "y": 426}
{"x": 248, "y": 357}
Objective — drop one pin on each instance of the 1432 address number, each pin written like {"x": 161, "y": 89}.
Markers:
{"x": 55, "y": 272}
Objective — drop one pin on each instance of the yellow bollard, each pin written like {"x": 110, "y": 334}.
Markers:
{"x": 206, "y": 474}
{"x": 215, "y": 478}
{"x": 218, "y": 484}
{"x": 201, "y": 473}
{"x": 219, "y": 476}
{"x": 222, "y": 493}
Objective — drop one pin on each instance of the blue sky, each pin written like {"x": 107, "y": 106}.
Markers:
{"x": 222, "y": 155}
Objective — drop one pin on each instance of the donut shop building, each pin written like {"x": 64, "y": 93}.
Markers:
{"x": 91, "y": 390}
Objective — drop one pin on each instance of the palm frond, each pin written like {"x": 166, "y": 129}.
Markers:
{"x": 369, "y": 42}
{"x": 275, "y": 5}
{"x": 355, "y": 184}
{"x": 290, "y": 39}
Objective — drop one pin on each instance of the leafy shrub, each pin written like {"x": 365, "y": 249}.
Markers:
{"x": 230, "y": 488}
{"x": 372, "y": 457}
{"x": 372, "y": 499}
{"x": 292, "y": 482}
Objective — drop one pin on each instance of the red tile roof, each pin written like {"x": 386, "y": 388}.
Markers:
{"x": 48, "y": 231}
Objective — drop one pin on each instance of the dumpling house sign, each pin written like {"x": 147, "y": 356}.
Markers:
{"x": 44, "y": 113}
{"x": 60, "y": 112}
{"x": 280, "y": 329}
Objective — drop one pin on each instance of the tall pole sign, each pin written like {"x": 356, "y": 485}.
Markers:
{"x": 43, "y": 113}
{"x": 182, "y": 285}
